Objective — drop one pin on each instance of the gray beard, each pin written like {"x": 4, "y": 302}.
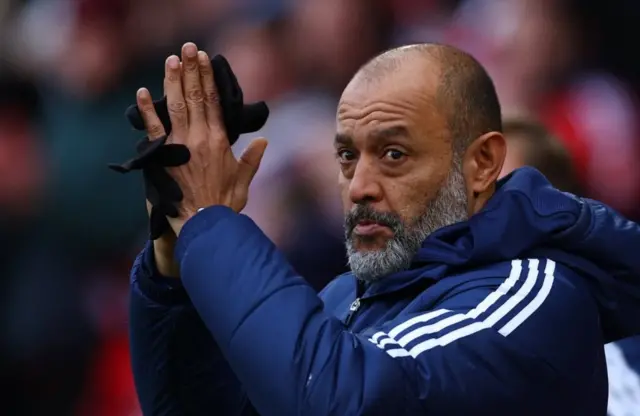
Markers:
{"x": 448, "y": 207}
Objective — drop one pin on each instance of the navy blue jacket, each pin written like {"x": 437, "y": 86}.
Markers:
{"x": 504, "y": 314}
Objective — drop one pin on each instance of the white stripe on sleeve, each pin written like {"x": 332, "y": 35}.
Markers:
{"x": 524, "y": 302}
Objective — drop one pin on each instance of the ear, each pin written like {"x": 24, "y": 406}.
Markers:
{"x": 482, "y": 164}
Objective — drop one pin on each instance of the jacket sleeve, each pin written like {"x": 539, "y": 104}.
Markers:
{"x": 178, "y": 368}
{"x": 293, "y": 357}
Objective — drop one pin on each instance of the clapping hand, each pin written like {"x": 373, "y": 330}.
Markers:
{"x": 213, "y": 176}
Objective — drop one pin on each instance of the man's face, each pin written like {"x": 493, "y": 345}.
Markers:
{"x": 399, "y": 178}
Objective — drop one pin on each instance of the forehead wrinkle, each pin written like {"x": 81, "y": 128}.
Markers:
{"x": 407, "y": 89}
{"x": 405, "y": 97}
{"x": 409, "y": 108}
{"x": 369, "y": 108}
{"x": 423, "y": 115}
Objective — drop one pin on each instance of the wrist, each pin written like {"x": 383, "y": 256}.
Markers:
{"x": 166, "y": 291}
{"x": 163, "y": 252}
{"x": 178, "y": 223}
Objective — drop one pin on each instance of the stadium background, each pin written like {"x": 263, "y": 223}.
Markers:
{"x": 68, "y": 69}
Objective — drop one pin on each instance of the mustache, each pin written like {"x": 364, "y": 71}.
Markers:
{"x": 367, "y": 213}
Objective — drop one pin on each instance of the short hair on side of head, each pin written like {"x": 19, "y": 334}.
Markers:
{"x": 468, "y": 95}
{"x": 543, "y": 151}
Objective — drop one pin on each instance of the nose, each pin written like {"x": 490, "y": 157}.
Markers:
{"x": 365, "y": 186}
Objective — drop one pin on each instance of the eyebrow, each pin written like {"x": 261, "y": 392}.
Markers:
{"x": 376, "y": 135}
{"x": 343, "y": 139}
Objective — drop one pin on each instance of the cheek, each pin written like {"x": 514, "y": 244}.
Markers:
{"x": 412, "y": 197}
{"x": 407, "y": 200}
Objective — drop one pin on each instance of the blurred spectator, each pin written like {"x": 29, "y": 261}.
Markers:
{"x": 330, "y": 39}
{"x": 530, "y": 143}
{"x": 42, "y": 323}
{"x": 542, "y": 55}
{"x": 419, "y": 20}
{"x": 21, "y": 173}
{"x": 84, "y": 90}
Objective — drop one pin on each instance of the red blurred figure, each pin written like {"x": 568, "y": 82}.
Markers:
{"x": 110, "y": 385}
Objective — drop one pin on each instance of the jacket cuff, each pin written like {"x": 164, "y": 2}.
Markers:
{"x": 200, "y": 223}
{"x": 164, "y": 290}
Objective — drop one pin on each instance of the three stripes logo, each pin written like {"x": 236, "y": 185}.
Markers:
{"x": 506, "y": 308}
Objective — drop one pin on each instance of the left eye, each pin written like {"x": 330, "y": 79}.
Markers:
{"x": 394, "y": 154}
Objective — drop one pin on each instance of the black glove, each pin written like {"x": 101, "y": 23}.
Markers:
{"x": 161, "y": 190}
{"x": 154, "y": 156}
{"x": 239, "y": 118}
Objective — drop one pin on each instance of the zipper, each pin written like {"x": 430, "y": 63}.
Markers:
{"x": 353, "y": 309}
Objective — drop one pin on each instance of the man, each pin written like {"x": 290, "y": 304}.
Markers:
{"x": 466, "y": 296}
{"x": 530, "y": 143}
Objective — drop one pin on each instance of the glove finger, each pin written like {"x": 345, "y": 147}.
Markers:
{"x": 224, "y": 73}
{"x": 150, "y": 190}
{"x": 134, "y": 116}
{"x": 125, "y": 167}
{"x": 168, "y": 189}
{"x": 146, "y": 149}
{"x": 172, "y": 211}
{"x": 172, "y": 155}
{"x": 158, "y": 224}
{"x": 230, "y": 97}
{"x": 254, "y": 117}
{"x": 168, "y": 209}
{"x": 145, "y": 146}
{"x": 128, "y": 166}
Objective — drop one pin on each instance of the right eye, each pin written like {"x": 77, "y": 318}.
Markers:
{"x": 345, "y": 155}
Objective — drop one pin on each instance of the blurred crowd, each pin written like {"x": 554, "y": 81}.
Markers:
{"x": 69, "y": 68}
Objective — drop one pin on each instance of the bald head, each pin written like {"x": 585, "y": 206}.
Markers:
{"x": 458, "y": 84}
